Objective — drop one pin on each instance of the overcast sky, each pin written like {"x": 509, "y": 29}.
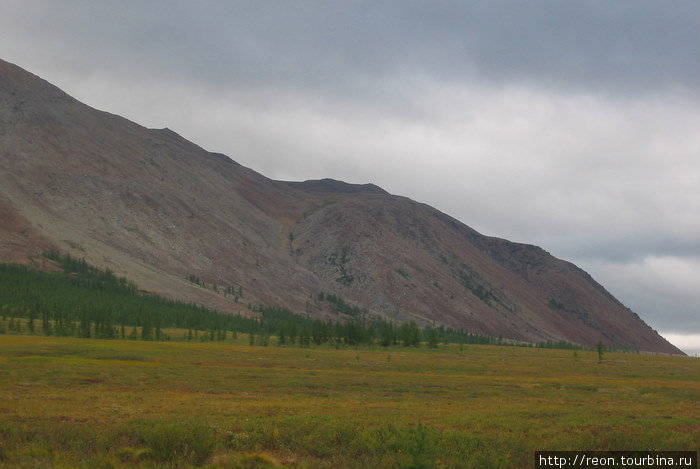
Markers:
{"x": 571, "y": 125}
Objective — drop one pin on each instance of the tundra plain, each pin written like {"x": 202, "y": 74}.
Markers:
{"x": 88, "y": 403}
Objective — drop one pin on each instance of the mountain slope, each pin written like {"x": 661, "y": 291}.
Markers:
{"x": 156, "y": 208}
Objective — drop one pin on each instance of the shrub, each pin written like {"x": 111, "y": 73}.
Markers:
{"x": 257, "y": 461}
{"x": 420, "y": 445}
{"x": 176, "y": 441}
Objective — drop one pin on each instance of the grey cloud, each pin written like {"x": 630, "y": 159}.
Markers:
{"x": 626, "y": 249}
{"x": 663, "y": 290}
{"x": 350, "y": 46}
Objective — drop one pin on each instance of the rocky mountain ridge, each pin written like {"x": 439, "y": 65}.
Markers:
{"x": 159, "y": 209}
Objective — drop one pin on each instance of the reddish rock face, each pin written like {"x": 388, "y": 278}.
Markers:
{"x": 156, "y": 208}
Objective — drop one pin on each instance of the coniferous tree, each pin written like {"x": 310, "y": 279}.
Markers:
{"x": 46, "y": 324}
{"x": 600, "y": 348}
{"x": 432, "y": 338}
{"x": 410, "y": 334}
{"x": 387, "y": 334}
{"x": 147, "y": 331}
{"x": 84, "y": 327}
{"x": 281, "y": 338}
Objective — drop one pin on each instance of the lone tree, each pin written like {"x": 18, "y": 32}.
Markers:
{"x": 600, "y": 348}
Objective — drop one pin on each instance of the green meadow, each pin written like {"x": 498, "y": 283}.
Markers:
{"x": 86, "y": 403}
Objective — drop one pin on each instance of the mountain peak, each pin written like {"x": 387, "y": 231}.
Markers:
{"x": 19, "y": 86}
{"x": 333, "y": 186}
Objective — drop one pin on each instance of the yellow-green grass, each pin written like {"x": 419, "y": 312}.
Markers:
{"x": 67, "y": 402}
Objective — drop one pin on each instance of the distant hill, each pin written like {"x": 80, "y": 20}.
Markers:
{"x": 158, "y": 209}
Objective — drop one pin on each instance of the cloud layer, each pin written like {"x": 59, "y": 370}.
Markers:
{"x": 571, "y": 125}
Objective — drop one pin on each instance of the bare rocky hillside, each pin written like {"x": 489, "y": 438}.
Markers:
{"x": 158, "y": 209}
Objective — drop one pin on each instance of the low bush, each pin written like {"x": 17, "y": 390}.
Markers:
{"x": 178, "y": 441}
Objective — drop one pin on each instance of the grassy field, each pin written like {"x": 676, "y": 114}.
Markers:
{"x": 67, "y": 402}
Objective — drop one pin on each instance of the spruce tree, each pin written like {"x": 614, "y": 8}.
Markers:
{"x": 600, "y": 348}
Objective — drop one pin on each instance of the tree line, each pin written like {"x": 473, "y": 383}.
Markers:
{"x": 86, "y": 301}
